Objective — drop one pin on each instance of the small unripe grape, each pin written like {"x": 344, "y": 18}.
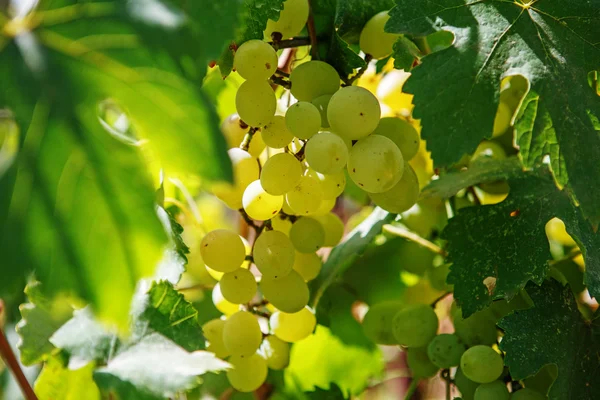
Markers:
{"x": 256, "y": 103}
{"x": 402, "y": 196}
{"x": 419, "y": 364}
{"x": 306, "y": 196}
{"x": 222, "y": 250}
{"x": 308, "y": 265}
{"x": 288, "y": 293}
{"x": 445, "y": 350}
{"x": 291, "y": 20}
{"x": 481, "y": 364}
{"x": 248, "y": 373}
{"x": 437, "y": 277}
{"x": 321, "y": 103}
{"x": 276, "y": 134}
{"x": 415, "y": 326}
{"x": 496, "y": 390}
{"x": 255, "y": 60}
{"x": 273, "y": 253}
{"x": 280, "y": 174}
{"x": 353, "y": 112}
{"x": 314, "y": 79}
{"x": 293, "y": 327}
{"x": 213, "y": 333}
{"x": 307, "y": 234}
{"x": 326, "y": 153}
{"x": 239, "y": 286}
{"x": 241, "y": 334}
{"x": 333, "y": 227}
{"x": 377, "y": 323}
{"x": 488, "y": 149}
{"x": 374, "y": 40}
{"x": 259, "y": 204}
{"x": 375, "y": 164}
{"x": 402, "y": 133}
{"x": 303, "y": 119}
{"x": 332, "y": 184}
{"x": 276, "y": 352}
{"x": 479, "y": 328}
{"x": 466, "y": 386}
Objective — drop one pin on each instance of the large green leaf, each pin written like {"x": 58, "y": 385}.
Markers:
{"x": 554, "y": 332}
{"x": 497, "y": 249}
{"x": 552, "y": 43}
{"x": 56, "y": 381}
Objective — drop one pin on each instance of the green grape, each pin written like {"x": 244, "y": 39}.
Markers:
{"x": 314, "y": 79}
{"x": 276, "y": 352}
{"x": 287, "y": 293}
{"x": 374, "y": 40}
{"x": 241, "y": 334}
{"x": 282, "y": 224}
{"x": 542, "y": 380}
{"x": 402, "y": 196}
{"x": 248, "y": 373}
{"x": 437, "y": 277}
{"x": 286, "y": 208}
{"x": 479, "y": 328}
{"x": 291, "y": 20}
{"x": 332, "y": 184}
{"x": 239, "y": 286}
{"x": 276, "y": 134}
{"x": 377, "y": 323}
{"x": 234, "y": 131}
{"x": 333, "y": 227}
{"x": 308, "y": 265}
{"x": 321, "y": 103}
{"x": 213, "y": 333}
{"x": 353, "y": 112}
{"x": 415, "y": 325}
{"x": 325, "y": 207}
{"x": 481, "y": 364}
{"x": 445, "y": 350}
{"x": 466, "y": 386}
{"x": 496, "y": 390}
{"x": 273, "y": 253}
{"x": 375, "y": 164}
{"x": 305, "y": 197}
{"x": 259, "y": 204}
{"x": 402, "y": 133}
{"x": 307, "y": 235}
{"x": 245, "y": 170}
{"x": 303, "y": 119}
{"x": 419, "y": 364}
{"x": 326, "y": 153}
{"x": 255, "y": 60}
{"x": 222, "y": 250}
{"x": 255, "y": 102}
{"x": 280, "y": 174}
{"x": 425, "y": 217}
{"x": 293, "y": 327}
{"x": 488, "y": 149}
{"x": 221, "y": 304}
{"x": 527, "y": 394}
{"x": 502, "y": 119}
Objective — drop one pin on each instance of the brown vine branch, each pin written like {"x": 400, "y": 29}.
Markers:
{"x": 413, "y": 237}
{"x": 245, "y": 145}
{"x": 300, "y": 154}
{"x": 290, "y": 43}
{"x": 312, "y": 33}
{"x": 360, "y": 72}
{"x": 282, "y": 73}
{"x": 249, "y": 220}
{"x": 281, "y": 81}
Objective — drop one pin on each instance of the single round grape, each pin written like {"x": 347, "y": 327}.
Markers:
{"x": 248, "y": 373}
{"x": 307, "y": 235}
{"x": 293, "y": 327}
{"x": 246, "y": 264}
{"x": 415, "y": 258}
{"x": 375, "y": 164}
{"x": 239, "y": 286}
{"x": 326, "y": 153}
{"x": 222, "y": 250}
{"x": 288, "y": 293}
{"x": 291, "y": 20}
{"x": 303, "y": 119}
{"x": 308, "y": 265}
{"x": 445, "y": 350}
{"x": 437, "y": 277}
{"x": 245, "y": 171}
{"x": 276, "y": 134}
{"x": 241, "y": 334}
{"x": 402, "y": 196}
{"x": 280, "y": 174}
{"x": 527, "y": 394}
{"x": 333, "y": 227}
{"x": 479, "y": 328}
{"x": 259, "y": 204}
{"x": 256, "y": 103}
{"x": 496, "y": 390}
{"x": 326, "y": 206}
{"x": 314, "y": 79}
{"x": 255, "y": 60}
{"x": 481, "y": 364}
{"x": 466, "y": 386}
{"x": 332, "y": 184}
{"x": 488, "y": 149}
{"x": 276, "y": 352}
{"x": 353, "y": 112}
{"x": 502, "y": 119}
{"x": 213, "y": 333}
{"x": 221, "y": 304}
{"x": 377, "y": 323}
{"x": 415, "y": 325}
{"x": 402, "y": 133}
{"x": 419, "y": 364}
{"x": 374, "y": 40}
{"x": 321, "y": 103}
{"x": 273, "y": 253}
{"x": 306, "y": 196}
{"x": 282, "y": 224}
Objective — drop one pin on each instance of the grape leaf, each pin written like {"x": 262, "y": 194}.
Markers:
{"x": 552, "y": 43}
{"x": 352, "y": 15}
{"x": 339, "y": 55}
{"x": 155, "y": 368}
{"x": 497, "y": 249}
{"x": 58, "y": 382}
{"x": 554, "y": 332}
{"x": 405, "y": 53}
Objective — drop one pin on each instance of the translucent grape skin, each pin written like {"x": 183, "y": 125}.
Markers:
{"x": 291, "y": 20}
{"x": 321, "y": 103}
{"x": 445, "y": 350}
{"x": 293, "y": 327}
{"x": 280, "y": 174}
{"x": 221, "y": 303}
{"x": 307, "y": 235}
{"x": 481, "y": 364}
{"x": 256, "y": 103}
{"x": 276, "y": 134}
{"x": 402, "y": 196}
{"x": 306, "y": 196}
{"x": 332, "y": 184}
{"x": 402, "y": 133}
{"x": 314, "y": 79}
{"x": 326, "y": 153}
{"x": 496, "y": 390}
{"x": 248, "y": 372}
{"x": 303, "y": 119}
{"x": 374, "y": 40}
{"x": 255, "y": 60}
{"x": 276, "y": 352}
{"x": 418, "y": 362}
{"x": 259, "y": 204}
{"x": 415, "y": 325}
{"x": 245, "y": 170}
{"x": 377, "y": 322}
{"x": 375, "y": 164}
{"x": 333, "y": 227}
{"x": 239, "y": 286}
{"x": 213, "y": 333}
{"x": 353, "y": 112}
{"x": 308, "y": 265}
{"x": 273, "y": 253}
{"x": 222, "y": 250}
{"x": 241, "y": 334}
{"x": 287, "y": 293}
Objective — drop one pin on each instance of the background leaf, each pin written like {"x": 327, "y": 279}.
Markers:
{"x": 58, "y": 382}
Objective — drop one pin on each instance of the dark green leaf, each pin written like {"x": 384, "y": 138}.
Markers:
{"x": 333, "y": 393}
{"x": 56, "y": 381}
{"x": 341, "y": 56}
{"x": 352, "y": 15}
{"x": 405, "y": 53}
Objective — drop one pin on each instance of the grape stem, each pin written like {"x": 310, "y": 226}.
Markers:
{"x": 312, "y": 32}
{"x": 245, "y": 145}
{"x": 281, "y": 81}
{"x": 413, "y": 237}
{"x": 446, "y": 377}
{"x": 300, "y": 154}
{"x": 249, "y": 220}
{"x": 412, "y": 388}
{"x": 289, "y": 43}
{"x": 360, "y": 72}
{"x": 282, "y": 73}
